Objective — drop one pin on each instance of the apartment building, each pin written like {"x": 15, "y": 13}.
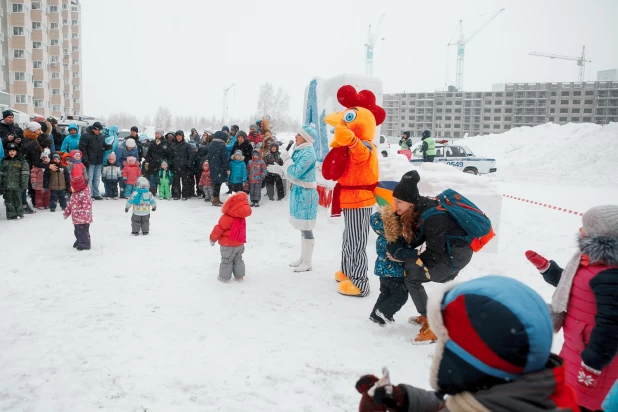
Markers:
{"x": 453, "y": 114}
{"x": 44, "y": 56}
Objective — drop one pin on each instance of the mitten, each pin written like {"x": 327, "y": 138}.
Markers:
{"x": 537, "y": 260}
{"x": 284, "y": 155}
{"x": 587, "y": 378}
{"x": 401, "y": 251}
{"x": 212, "y": 242}
{"x": 380, "y": 394}
{"x": 126, "y": 210}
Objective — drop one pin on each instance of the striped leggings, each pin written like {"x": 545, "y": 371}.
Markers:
{"x": 354, "y": 263}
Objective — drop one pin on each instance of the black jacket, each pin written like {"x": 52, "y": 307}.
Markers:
{"x": 93, "y": 147}
{"x": 31, "y": 149}
{"x": 199, "y": 157}
{"x": 245, "y": 148}
{"x": 6, "y": 130}
{"x": 158, "y": 153}
{"x": 182, "y": 156}
{"x": 57, "y": 137}
{"x": 218, "y": 161}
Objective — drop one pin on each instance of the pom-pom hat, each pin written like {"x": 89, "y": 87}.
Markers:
{"x": 309, "y": 133}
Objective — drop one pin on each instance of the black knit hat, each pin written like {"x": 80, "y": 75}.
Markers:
{"x": 220, "y": 135}
{"x": 97, "y": 126}
{"x": 43, "y": 126}
{"x": 406, "y": 189}
{"x": 6, "y": 114}
{"x": 407, "y": 134}
{"x": 135, "y": 129}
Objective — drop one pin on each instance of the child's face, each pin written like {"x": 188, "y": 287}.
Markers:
{"x": 205, "y": 167}
{"x": 57, "y": 160}
{"x": 77, "y": 156}
{"x": 164, "y": 166}
{"x": 273, "y": 149}
{"x": 238, "y": 157}
{"x": 12, "y": 153}
{"x": 46, "y": 160}
{"x": 256, "y": 156}
{"x": 131, "y": 162}
{"x": 111, "y": 161}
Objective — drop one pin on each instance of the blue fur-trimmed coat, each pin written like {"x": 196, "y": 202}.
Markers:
{"x": 300, "y": 170}
{"x": 386, "y": 225}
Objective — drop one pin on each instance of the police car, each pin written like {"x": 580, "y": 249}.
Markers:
{"x": 458, "y": 156}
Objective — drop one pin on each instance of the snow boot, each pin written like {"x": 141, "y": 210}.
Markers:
{"x": 298, "y": 261}
{"x": 240, "y": 279}
{"x": 135, "y": 233}
{"x": 376, "y": 319}
{"x": 307, "y": 254}
{"x": 216, "y": 201}
{"x": 425, "y": 335}
{"x": 417, "y": 320}
{"x": 223, "y": 280}
{"x": 384, "y": 317}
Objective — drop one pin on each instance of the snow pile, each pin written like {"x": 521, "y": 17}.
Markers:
{"x": 580, "y": 153}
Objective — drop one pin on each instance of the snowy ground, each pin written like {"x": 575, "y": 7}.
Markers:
{"x": 141, "y": 324}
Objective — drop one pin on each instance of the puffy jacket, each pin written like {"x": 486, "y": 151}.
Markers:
{"x": 71, "y": 142}
{"x": 32, "y": 148}
{"x": 256, "y": 170}
{"x": 385, "y": 224}
{"x": 14, "y": 173}
{"x": 123, "y": 152}
{"x": 112, "y": 141}
{"x": 111, "y": 172}
{"x": 591, "y": 323}
{"x": 58, "y": 180}
{"x": 236, "y": 208}
{"x": 238, "y": 171}
{"x": 256, "y": 140}
{"x": 92, "y": 147}
{"x": 231, "y": 142}
{"x": 130, "y": 173}
{"x": 36, "y": 178}
{"x": 245, "y": 148}
{"x": 157, "y": 153}
{"x": 141, "y": 200}
{"x": 218, "y": 160}
{"x": 182, "y": 156}
{"x": 80, "y": 207}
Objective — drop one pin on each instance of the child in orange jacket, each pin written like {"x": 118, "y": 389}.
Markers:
{"x": 231, "y": 233}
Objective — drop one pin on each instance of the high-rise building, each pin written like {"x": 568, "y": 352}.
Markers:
{"x": 455, "y": 114}
{"x": 43, "y": 54}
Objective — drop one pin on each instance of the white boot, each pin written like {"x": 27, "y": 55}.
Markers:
{"x": 298, "y": 261}
{"x": 305, "y": 266}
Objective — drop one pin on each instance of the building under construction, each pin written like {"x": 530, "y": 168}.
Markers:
{"x": 453, "y": 114}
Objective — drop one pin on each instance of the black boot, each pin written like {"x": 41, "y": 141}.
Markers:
{"x": 376, "y": 319}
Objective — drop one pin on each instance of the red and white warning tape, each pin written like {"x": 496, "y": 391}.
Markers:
{"x": 560, "y": 209}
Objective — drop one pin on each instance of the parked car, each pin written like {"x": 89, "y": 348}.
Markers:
{"x": 123, "y": 134}
{"x": 63, "y": 126}
{"x": 458, "y": 156}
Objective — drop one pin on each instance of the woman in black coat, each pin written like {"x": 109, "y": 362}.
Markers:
{"x": 182, "y": 160}
{"x": 159, "y": 151}
{"x": 219, "y": 164}
{"x": 243, "y": 145}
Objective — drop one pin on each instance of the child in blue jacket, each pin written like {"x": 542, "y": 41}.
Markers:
{"x": 141, "y": 200}
{"x": 238, "y": 172}
{"x": 393, "y": 293}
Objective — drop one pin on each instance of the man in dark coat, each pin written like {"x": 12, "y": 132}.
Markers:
{"x": 159, "y": 151}
{"x": 243, "y": 145}
{"x": 55, "y": 133}
{"x": 219, "y": 164}
{"x": 8, "y": 129}
{"x": 182, "y": 160}
{"x": 92, "y": 145}
{"x": 135, "y": 136}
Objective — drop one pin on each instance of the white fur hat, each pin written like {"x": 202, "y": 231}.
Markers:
{"x": 34, "y": 126}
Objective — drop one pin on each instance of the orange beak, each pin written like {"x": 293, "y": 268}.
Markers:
{"x": 334, "y": 119}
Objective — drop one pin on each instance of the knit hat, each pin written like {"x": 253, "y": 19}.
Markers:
{"x": 255, "y": 153}
{"x": 111, "y": 156}
{"x": 55, "y": 156}
{"x": 221, "y": 135}
{"x": 160, "y": 131}
{"x": 12, "y": 146}
{"x": 131, "y": 159}
{"x": 164, "y": 162}
{"x": 134, "y": 129}
{"x": 309, "y": 133}
{"x": 45, "y": 154}
{"x": 209, "y": 130}
{"x": 225, "y": 129}
{"x": 33, "y": 126}
{"x": 238, "y": 152}
{"x": 180, "y": 133}
{"x": 406, "y": 189}
{"x": 130, "y": 143}
{"x": 142, "y": 183}
{"x": 490, "y": 330}
{"x": 253, "y": 126}
{"x": 601, "y": 221}
{"x": 6, "y": 114}
{"x": 242, "y": 134}
{"x": 193, "y": 145}
{"x": 97, "y": 126}
{"x": 78, "y": 183}
{"x": 75, "y": 153}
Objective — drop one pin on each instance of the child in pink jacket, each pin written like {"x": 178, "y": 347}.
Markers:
{"x": 80, "y": 207}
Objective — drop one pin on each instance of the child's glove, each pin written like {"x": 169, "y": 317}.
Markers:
{"x": 285, "y": 155}
{"x": 537, "y": 260}
{"x": 126, "y": 210}
{"x": 380, "y": 394}
{"x": 401, "y": 251}
{"x": 212, "y": 242}
{"x": 154, "y": 209}
{"x": 587, "y": 378}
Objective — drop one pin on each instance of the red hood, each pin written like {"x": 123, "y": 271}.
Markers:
{"x": 237, "y": 206}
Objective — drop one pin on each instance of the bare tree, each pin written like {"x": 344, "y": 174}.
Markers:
{"x": 122, "y": 120}
{"x": 147, "y": 121}
{"x": 273, "y": 103}
{"x": 163, "y": 118}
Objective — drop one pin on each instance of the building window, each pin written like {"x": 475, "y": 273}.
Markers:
{"x": 587, "y": 111}
{"x": 551, "y": 119}
{"x": 497, "y": 110}
{"x": 587, "y": 101}
{"x": 553, "y": 93}
{"x": 55, "y": 75}
{"x": 20, "y": 76}
{"x": 76, "y": 100}
{"x": 53, "y": 26}
{"x": 577, "y": 93}
{"x": 55, "y": 92}
{"x": 496, "y": 126}
{"x": 485, "y": 126}
{"x": 37, "y": 64}
{"x": 18, "y": 31}
{"x": 587, "y": 119}
{"x": 447, "y": 118}
{"x": 507, "y": 127}
{"x": 55, "y": 42}
{"x": 447, "y": 126}
{"x": 508, "y": 110}
{"x": 38, "y": 103}
{"x": 38, "y": 84}
{"x": 54, "y": 60}
{"x": 18, "y": 8}
{"x": 74, "y": 8}
{"x": 564, "y": 102}
{"x": 56, "y": 108}
{"x": 448, "y": 110}
{"x": 449, "y": 103}
{"x": 552, "y": 110}
{"x": 589, "y": 93}
{"x": 552, "y": 102}
{"x": 486, "y": 119}
{"x": 75, "y": 61}
{"x": 36, "y": 25}
{"x": 458, "y": 118}
{"x": 564, "y": 110}
{"x": 562, "y": 119}
{"x": 458, "y": 103}
{"x": 575, "y": 119}
{"x": 508, "y": 119}
{"x": 575, "y": 111}
{"x": 565, "y": 94}
{"x": 66, "y": 95}
{"x": 19, "y": 54}
{"x": 36, "y": 44}
{"x": 509, "y": 102}
{"x": 497, "y": 118}
{"x": 74, "y": 35}
{"x": 74, "y": 22}
{"x": 65, "y": 6}
{"x": 65, "y": 22}
{"x": 53, "y": 9}
{"x": 577, "y": 102}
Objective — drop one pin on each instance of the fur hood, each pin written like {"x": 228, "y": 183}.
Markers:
{"x": 600, "y": 249}
{"x": 30, "y": 135}
{"x": 392, "y": 226}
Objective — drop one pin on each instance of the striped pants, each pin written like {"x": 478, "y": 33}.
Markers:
{"x": 354, "y": 263}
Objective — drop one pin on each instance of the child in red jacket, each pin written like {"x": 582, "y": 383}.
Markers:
{"x": 130, "y": 173}
{"x": 231, "y": 233}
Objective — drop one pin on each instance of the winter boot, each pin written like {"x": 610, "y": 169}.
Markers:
{"x": 417, "y": 320}
{"x": 425, "y": 335}
{"x": 384, "y": 317}
{"x": 216, "y": 201}
{"x": 307, "y": 254}
{"x": 223, "y": 280}
{"x": 376, "y": 319}
{"x": 28, "y": 210}
{"x": 298, "y": 261}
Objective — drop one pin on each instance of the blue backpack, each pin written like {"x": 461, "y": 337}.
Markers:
{"x": 469, "y": 217}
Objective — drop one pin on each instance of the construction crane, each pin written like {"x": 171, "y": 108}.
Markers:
{"x": 581, "y": 60}
{"x": 225, "y": 92}
{"x": 372, "y": 38}
{"x": 461, "y": 46}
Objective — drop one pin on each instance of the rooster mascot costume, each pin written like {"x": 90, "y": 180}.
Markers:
{"x": 353, "y": 163}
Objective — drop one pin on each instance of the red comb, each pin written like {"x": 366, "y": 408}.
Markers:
{"x": 348, "y": 97}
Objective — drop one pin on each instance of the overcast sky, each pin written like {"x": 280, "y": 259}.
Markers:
{"x": 139, "y": 54}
